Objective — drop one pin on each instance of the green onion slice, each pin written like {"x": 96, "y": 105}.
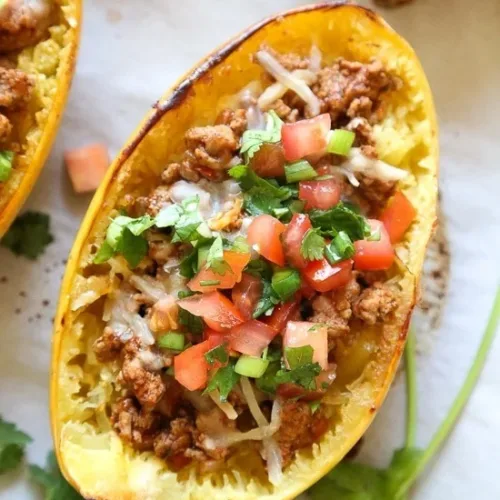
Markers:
{"x": 285, "y": 282}
{"x": 251, "y": 366}
{"x": 209, "y": 282}
{"x": 299, "y": 171}
{"x": 340, "y": 248}
{"x": 340, "y": 142}
{"x": 172, "y": 340}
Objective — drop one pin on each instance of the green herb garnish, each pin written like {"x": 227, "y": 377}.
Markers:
{"x": 224, "y": 379}
{"x": 12, "y": 445}
{"x": 252, "y": 140}
{"x": 6, "y": 158}
{"x": 285, "y": 283}
{"x": 313, "y": 245}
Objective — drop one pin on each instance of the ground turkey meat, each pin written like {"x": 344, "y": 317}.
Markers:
{"x": 289, "y": 61}
{"x": 364, "y": 136}
{"x": 148, "y": 386}
{"x": 108, "y": 346}
{"x": 152, "y": 204}
{"x": 299, "y": 428}
{"x": 375, "y": 304}
{"x": 16, "y": 88}
{"x": 376, "y": 191}
{"x": 284, "y": 111}
{"x": 135, "y": 425}
{"x": 236, "y": 120}
{"x": 351, "y": 89}
{"x": 5, "y": 127}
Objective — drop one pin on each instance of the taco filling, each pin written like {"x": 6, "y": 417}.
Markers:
{"x": 244, "y": 271}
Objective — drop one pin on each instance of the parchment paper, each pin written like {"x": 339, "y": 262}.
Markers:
{"x": 131, "y": 52}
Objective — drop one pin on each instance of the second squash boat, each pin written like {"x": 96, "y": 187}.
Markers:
{"x": 237, "y": 300}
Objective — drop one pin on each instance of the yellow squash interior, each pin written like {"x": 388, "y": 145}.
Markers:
{"x": 51, "y": 62}
{"x": 92, "y": 457}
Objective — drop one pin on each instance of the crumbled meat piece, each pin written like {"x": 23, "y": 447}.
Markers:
{"x": 108, "y": 346}
{"x": 160, "y": 247}
{"x": 284, "y": 111}
{"x": 188, "y": 172}
{"x": 148, "y": 386}
{"x": 289, "y": 61}
{"x": 171, "y": 174}
{"x": 299, "y": 428}
{"x": 169, "y": 403}
{"x": 24, "y": 23}
{"x": 153, "y": 203}
{"x": 375, "y": 304}
{"x": 228, "y": 220}
{"x": 5, "y": 127}
{"x": 235, "y": 119}
{"x": 176, "y": 440}
{"x": 350, "y": 88}
{"x": 212, "y": 147}
{"x": 364, "y": 135}
{"x": 16, "y": 88}
{"x": 137, "y": 426}
{"x": 376, "y": 191}
{"x": 335, "y": 310}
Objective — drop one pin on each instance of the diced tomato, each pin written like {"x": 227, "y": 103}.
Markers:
{"x": 237, "y": 262}
{"x": 269, "y": 161}
{"x": 264, "y": 235}
{"x": 323, "y": 194}
{"x": 302, "y": 333}
{"x": 246, "y": 294}
{"x": 191, "y": 367}
{"x": 283, "y": 313}
{"x": 324, "y": 277}
{"x": 292, "y": 240}
{"x": 251, "y": 337}
{"x": 305, "y": 137}
{"x": 87, "y": 166}
{"x": 374, "y": 255}
{"x": 215, "y": 338}
{"x": 306, "y": 290}
{"x": 218, "y": 312}
{"x": 398, "y": 216}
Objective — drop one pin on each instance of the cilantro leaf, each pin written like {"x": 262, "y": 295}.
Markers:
{"x": 313, "y": 245}
{"x": 260, "y": 269}
{"x": 29, "y": 235}
{"x": 12, "y": 445}
{"x": 267, "y": 382}
{"x": 193, "y": 324}
{"x": 340, "y": 248}
{"x": 256, "y": 202}
{"x": 402, "y": 464}
{"x": 104, "y": 253}
{"x": 215, "y": 258}
{"x": 52, "y": 481}
{"x": 298, "y": 356}
{"x": 6, "y": 158}
{"x": 224, "y": 379}
{"x": 304, "y": 375}
{"x": 267, "y": 300}
{"x": 240, "y": 244}
{"x": 252, "y": 140}
{"x": 188, "y": 266}
{"x": 218, "y": 353}
{"x": 169, "y": 216}
{"x": 134, "y": 248}
{"x": 340, "y": 218}
{"x": 250, "y": 182}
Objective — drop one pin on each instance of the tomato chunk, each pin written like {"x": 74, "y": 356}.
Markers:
{"x": 87, "y": 166}
{"x": 218, "y": 312}
{"x": 251, "y": 337}
{"x": 246, "y": 294}
{"x": 282, "y": 314}
{"x": 237, "y": 262}
{"x": 269, "y": 161}
{"x": 292, "y": 240}
{"x": 305, "y": 137}
{"x": 324, "y": 277}
{"x": 215, "y": 338}
{"x": 264, "y": 236}
{"x": 191, "y": 367}
{"x": 302, "y": 333}
{"x": 322, "y": 194}
{"x": 398, "y": 216}
{"x": 374, "y": 255}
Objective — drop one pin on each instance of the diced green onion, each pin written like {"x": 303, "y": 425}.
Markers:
{"x": 285, "y": 282}
{"x": 375, "y": 235}
{"x": 172, "y": 340}
{"x": 6, "y": 158}
{"x": 340, "y": 142}
{"x": 324, "y": 177}
{"x": 279, "y": 212}
{"x": 299, "y": 171}
{"x": 209, "y": 282}
{"x": 251, "y": 366}
{"x": 339, "y": 249}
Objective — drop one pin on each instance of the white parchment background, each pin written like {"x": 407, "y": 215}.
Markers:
{"x": 131, "y": 51}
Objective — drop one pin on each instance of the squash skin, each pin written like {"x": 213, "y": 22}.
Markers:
{"x": 11, "y": 202}
{"x": 359, "y": 412}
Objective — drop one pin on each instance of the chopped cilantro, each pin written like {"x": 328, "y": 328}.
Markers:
{"x": 267, "y": 300}
{"x": 29, "y": 235}
{"x": 52, "y": 481}
{"x": 340, "y": 248}
{"x": 240, "y": 244}
{"x": 168, "y": 216}
{"x": 250, "y": 182}
{"x": 257, "y": 203}
{"x": 193, "y": 324}
{"x": 104, "y": 253}
{"x": 313, "y": 245}
{"x": 259, "y": 268}
{"x": 188, "y": 266}
{"x": 252, "y": 140}
{"x": 218, "y": 353}
{"x": 267, "y": 382}
{"x": 224, "y": 379}
{"x": 314, "y": 405}
{"x": 6, "y": 158}
{"x": 215, "y": 258}
{"x": 298, "y": 356}
{"x": 304, "y": 375}
{"x": 12, "y": 445}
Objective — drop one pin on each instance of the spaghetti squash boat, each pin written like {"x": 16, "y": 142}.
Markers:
{"x": 237, "y": 300}
{"x": 38, "y": 45}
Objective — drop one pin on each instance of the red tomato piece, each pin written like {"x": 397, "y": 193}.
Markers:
{"x": 269, "y": 161}
{"x": 324, "y": 277}
{"x": 305, "y": 137}
{"x": 218, "y": 312}
{"x": 303, "y": 333}
{"x": 215, "y": 338}
{"x": 251, "y": 337}
{"x": 191, "y": 367}
{"x": 306, "y": 290}
{"x": 323, "y": 194}
{"x": 264, "y": 235}
{"x": 282, "y": 314}
{"x": 398, "y": 216}
{"x": 246, "y": 294}
{"x": 292, "y": 240}
{"x": 374, "y": 255}
{"x": 87, "y": 166}
{"x": 237, "y": 262}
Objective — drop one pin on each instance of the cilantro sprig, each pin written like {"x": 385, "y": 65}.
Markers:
{"x": 313, "y": 245}
{"x": 253, "y": 139}
{"x": 12, "y": 445}
{"x": 224, "y": 379}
